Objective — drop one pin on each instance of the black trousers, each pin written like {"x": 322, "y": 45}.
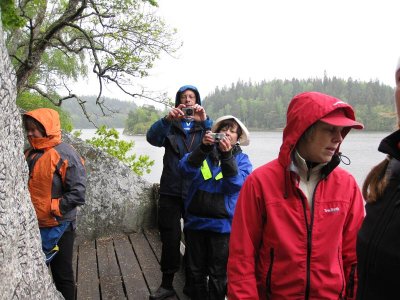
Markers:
{"x": 207, "y": 255}
{"x": 61, "y": 266}
{"x": 170, "y": 211}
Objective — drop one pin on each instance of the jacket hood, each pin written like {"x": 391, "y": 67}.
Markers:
{"x": 185, "y": 88}
{"x": 50, "y": 120}
{"x": 244, "y": 139}
{"x": 304, "y": 110}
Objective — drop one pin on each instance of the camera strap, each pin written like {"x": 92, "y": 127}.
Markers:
{"x": 188, "y": 148}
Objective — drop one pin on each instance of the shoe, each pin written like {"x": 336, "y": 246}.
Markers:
{"x": 162, "y": 293}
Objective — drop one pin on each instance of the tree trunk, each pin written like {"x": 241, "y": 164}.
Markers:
{"x": 23, "y": 273}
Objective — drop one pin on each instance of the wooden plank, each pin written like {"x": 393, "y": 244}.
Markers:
{"x": 147, "y": 260}
{"x": 153, "y": 237}
{"x": 109, "y": 272}
{"x": 132, "y": 276}
{"x": 87, "y": 277}
{"x": 179, "y": 283}
{"x": 75, "y": 265}
{"x": 75, "y": 262}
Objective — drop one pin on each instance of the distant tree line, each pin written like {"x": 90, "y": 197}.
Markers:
{"x": 262, "y": 106}
{"x": 112, "y": 114}
{"x": 140, "y": 120}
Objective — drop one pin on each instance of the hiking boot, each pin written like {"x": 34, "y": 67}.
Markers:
{"x": 162, "y": 293}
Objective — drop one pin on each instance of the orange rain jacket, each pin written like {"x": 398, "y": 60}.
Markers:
{"x": 57, "y": 177}
{"x": 280, "y": 247}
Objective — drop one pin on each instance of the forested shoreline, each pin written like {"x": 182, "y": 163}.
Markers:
{"x": 262, "y": 105}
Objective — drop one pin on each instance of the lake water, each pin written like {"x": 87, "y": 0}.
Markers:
{"x": 360, "y": 147}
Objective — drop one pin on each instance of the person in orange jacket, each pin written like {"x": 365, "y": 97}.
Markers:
{"x": 57, "y": 185}
{"x": 296, "y": 220}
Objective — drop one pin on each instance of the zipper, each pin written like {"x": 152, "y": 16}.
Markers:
{"x": 342, "y": 273}
{"x": 268, "y": 281}
{"x": 309, "y": 241}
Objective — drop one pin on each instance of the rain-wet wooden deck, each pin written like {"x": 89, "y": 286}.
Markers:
{"x": 121, "y": 267}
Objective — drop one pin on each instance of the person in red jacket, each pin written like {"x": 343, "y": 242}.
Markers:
{"x": 296, "y": 220}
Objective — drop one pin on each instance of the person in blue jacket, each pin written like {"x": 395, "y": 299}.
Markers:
{"x": 179, "y": 133}
{"x": 217, "y": 168}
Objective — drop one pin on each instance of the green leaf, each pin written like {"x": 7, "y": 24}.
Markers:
{"x": 108, "y": 140}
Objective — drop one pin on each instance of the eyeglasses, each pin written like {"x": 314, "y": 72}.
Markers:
{"x": 183, "y": 97}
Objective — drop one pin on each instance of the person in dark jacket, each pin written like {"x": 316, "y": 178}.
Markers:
{"x": 378, "y": 242}
{"x": 179, "y": 132}
{"x": 218, "y": 168}
{"x": 57, "y": 185}
{"x": 296, "y": 220}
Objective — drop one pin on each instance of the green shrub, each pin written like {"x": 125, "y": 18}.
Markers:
{"x": 108, "y": 140}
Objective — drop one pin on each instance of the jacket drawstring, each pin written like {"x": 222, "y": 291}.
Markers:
{"x": 287, "y": 181}
{"x": 287, "y": 177}
{"x": 347, "y": 160}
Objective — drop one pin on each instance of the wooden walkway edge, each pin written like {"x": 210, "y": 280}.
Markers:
{"x": 121, "y": 267}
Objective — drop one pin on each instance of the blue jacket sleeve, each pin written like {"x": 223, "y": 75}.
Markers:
{"x": 187, "y": 169}
{"x": 158, "y": 132}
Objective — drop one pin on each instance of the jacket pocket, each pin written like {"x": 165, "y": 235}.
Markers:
{"x": 208, "y": 205}
{"x": 269, "y": 274}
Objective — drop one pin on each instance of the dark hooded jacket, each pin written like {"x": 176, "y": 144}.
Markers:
{"x": 57, "y": 177}
{"x": 378, "y": 242}
{"x": 171, "y": 136}
{"x": 280, "y": 247}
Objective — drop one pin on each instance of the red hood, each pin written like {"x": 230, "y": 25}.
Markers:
{"x": 304, "y": 110}
{"x": 50, "y": 120}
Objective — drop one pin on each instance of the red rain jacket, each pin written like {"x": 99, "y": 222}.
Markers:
{"x": 280, "y": 248}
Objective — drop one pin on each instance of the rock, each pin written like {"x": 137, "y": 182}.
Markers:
{"x": 23, "y": 273}
{"x": 117, "y": 200}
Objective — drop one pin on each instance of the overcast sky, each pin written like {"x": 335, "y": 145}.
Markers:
{"x": 227, "y": 40}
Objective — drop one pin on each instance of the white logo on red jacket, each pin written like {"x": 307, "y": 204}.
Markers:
{"x": 331, "y": 210}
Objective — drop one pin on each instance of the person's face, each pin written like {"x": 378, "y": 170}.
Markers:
{"x": 230, "y": 133}
{"x": 397, "y": 95}
{"x": 322, "y": 143}
{"x": 33, "y": 131}
{"x": 188, "y": 98}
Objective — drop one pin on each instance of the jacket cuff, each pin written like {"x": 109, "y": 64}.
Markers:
{"x": 199, "y": 154}
{"x": 55, "y": 207}
{"x": 229, "y": 166}
{"x": 207, "y": 123}
{"x": 165, "y": 121}
{"x": 226, "y": 155}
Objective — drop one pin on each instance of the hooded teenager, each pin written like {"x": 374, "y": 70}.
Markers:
{"x": 296, "y": 221}
{"x": 217, "y": 168}
{"x": 57, "y": 184}
{"x": 179, "y": 132}
{"x": 378, "y": 242}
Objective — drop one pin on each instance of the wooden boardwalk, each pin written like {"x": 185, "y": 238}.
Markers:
{"x": 121, "y": 267}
